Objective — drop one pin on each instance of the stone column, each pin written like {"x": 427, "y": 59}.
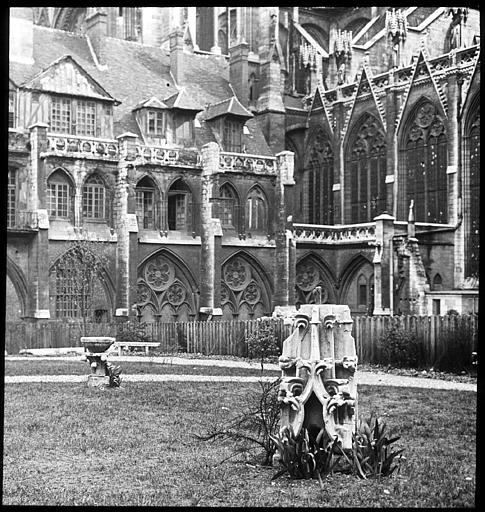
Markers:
{"x": 270, "y": 108}
{"x": 239, "y": 71}
{"x": 332, "y": 61}
{"x": 38, "y": 250}
{"x": 191, "y": 19}
{"x": 216, "y": 48}
{"x": 96, "y": 30}
{"x": 285, "y": 263}
{"x": 391, "y": 146}
{"x": 340, "y": 214}
{"x": 453, "y": 142}
{"x": 383, "y": 265}
{"x": 125, "y": 224}
{"x": 211, "y": 233}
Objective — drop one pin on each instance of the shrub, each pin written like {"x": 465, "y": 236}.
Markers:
{"x": 400, "y": 348}
{"x": 263, "y": 343}
{"x": 132, "y": 331}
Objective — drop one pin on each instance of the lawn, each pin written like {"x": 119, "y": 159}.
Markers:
{"x": 78, "y": 367}
{"x": 66, "y": 444}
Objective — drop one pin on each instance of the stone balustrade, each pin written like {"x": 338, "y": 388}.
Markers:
{"x": 23, "y": 220}
{"x": 349, "y": 233}
{"x": 18, "y": 140}
{"x": 242, "y": 162}
{"x": 82, "y": 147}
{"x": 167, "y": 156}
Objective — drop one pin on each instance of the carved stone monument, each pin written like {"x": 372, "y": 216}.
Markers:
{"x": 318, "y": 365}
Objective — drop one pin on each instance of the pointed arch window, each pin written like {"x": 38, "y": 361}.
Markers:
{"x": 146, "y": 204}
{"x": 426, "y": 163}
{"x": 437, "y": 282}
{"x": 94, "y": 198}
{"x": 243, "y": 290}
{"x": 472, "y": 262}
{"x": 179, "y": 206}
{"x": 319, "y": 182}
{"x": 256, "y": 211}
{"x": 228, "y": 207}
{"x": 12, "y": 198}
{"x": 366, "y": 167}
{"x": 59, "y": 192}
{"x": 11, "y": 109}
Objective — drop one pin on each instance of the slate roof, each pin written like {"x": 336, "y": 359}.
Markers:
{"x": 182, "y": 101}
{"x": 153, "y": 102}
{"x": 136, "y": 73}
{"x": 230, "y": 106}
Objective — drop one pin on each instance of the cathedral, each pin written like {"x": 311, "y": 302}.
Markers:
{"x": 227, "y": 160}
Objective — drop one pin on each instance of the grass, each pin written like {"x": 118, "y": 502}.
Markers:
{"x": 66, "y": 444}
{"x": 77, "y": 367}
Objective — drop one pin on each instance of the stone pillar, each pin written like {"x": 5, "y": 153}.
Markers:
{"x": 340, "y": 214}
{"x": 454, "y": 169}
{"x": 192, "y": 21}
{"x": 21, "y": 41}
{"x": 270, "y": 108}
{"x": 211, "y": 234}
{"x": 96, "y": 30}
{"x": 332, "y": 60}
{"x": 383, "y": 265}
{"x": 125, "y": 224}
{"x": 391, "y": 146}
{"x": 216, "y": 48}
{"x": 285, "y": 262}
{"x": 239, "y": 71}
{"x": 453, "y": 134}
{"x": 38, "y": 267}
{"x": 176, "y": 54}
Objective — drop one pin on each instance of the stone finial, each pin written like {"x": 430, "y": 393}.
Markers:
{"x": 286, "y": 166}
{"x": 411, "y": 225}
{"x": 209, "y": 157}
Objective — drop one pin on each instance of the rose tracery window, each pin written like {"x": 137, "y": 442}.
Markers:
{"x": 163, "y": 291}
{"x": 425, "y": 157}
{"x": 366, "y": 164}
{"x": 308, "y": 278}
{"x": 243, "y": 294}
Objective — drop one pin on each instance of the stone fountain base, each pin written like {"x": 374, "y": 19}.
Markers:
{"x": 97, "y": 355}
{"x": 98, "y": 381}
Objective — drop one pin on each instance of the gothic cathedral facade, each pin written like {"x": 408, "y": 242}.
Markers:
{"x": 226, "y": 160}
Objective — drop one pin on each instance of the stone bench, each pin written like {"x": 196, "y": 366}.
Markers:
{"x": 135, "y": 344}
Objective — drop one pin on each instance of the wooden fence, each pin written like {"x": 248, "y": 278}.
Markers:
{"x": 438, "y": 337}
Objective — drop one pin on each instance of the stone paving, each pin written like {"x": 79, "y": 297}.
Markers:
{"x": 366, "y": 378}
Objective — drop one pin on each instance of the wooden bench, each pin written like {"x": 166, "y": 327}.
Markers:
{"x": 135, "y": 344}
